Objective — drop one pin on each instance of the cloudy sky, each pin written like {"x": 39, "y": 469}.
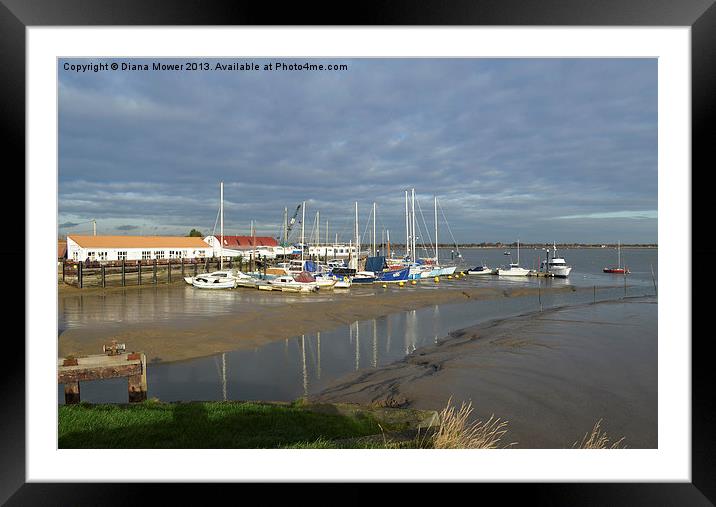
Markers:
{"x": 533, "y": 149}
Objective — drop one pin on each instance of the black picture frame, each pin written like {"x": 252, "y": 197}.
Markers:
{"x": 700, "y": 15}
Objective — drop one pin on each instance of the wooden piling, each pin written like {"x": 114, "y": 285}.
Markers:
{"x": 63, "y": 270}
{"x": 139, "y": 272}
{"x": 72, "y": 393}
{"x": 124, "y": 273}
{"x": 79, "y": 274}
{"x": 104, "y": 278}
{"x": 182, "y": 267}
{"x": 169, "y": 271}
{"x": 154, "y": 272}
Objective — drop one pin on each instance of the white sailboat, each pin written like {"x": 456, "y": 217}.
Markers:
{"x": 218, "y": 279}
{"x": 514, "y": 269}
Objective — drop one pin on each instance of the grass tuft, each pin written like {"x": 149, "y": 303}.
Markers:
{"x": 598, "y": 439}
{"x": 457, "y": 432}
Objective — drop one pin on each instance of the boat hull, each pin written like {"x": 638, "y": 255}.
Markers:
{"x": 616, "y": 271}
{"x": 513, "y": 272}
{"x": 399, "y": 275}
{"x": 484, "y": 271}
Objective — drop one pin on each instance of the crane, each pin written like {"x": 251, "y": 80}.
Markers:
{"x": 288, "y": 224}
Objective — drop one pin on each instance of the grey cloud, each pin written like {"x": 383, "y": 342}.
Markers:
{"x": 507, "y": 145}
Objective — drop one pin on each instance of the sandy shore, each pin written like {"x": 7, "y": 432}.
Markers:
{"x": 257, "y": 324}
{"x": 552, "y": 375}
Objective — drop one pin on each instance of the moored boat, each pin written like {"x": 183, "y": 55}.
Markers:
{"x": 302, "y": 282}
{"x": 481, "y": 270}
{"x": 556, "y": 266}
{"x": 619, "y": 270}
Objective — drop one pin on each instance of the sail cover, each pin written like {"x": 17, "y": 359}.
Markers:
{"x": 375, "y": 264}
{"x": 304, "y": 277}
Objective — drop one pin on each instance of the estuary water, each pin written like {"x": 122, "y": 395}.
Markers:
{"x": 300, "y": 365}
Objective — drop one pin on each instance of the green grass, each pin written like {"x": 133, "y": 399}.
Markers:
{"x": 211, "y": 425}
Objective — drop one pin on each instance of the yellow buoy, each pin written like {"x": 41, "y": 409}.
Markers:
{"x": 437, "y": 279}
{"x": 385, "y": 286}
{"x": 401, "y": 283}
{"x": 413, "y": 282}
{"x": 449, "y": 277}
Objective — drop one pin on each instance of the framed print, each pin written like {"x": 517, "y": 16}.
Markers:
{"x": 225, "y": 147}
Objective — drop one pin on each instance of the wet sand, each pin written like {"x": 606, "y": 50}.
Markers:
{"x": 255, "y": 323}
{"x": 552, "y": 375}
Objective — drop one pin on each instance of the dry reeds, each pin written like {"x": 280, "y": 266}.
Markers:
{"x": 457, "y": 432}
{"x": 598, "y": 439}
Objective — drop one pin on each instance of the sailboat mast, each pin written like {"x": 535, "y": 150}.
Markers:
{"x": 374, "y": 253}
{"x": 221, "y": 208}
{"x": 407, "y": 228}
{"x": 318, "y": 230}
{"x": 518, "y": 252}
{"x": 303, "y": 227}
{"x": 413, "y": 226}
{"x": 619, "y": 253}
{"x": 436, "y": 229}
{"x": 388, "y": 233}
{"x": 357, "y": 238}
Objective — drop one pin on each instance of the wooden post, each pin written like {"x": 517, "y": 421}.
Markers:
{"x": 154, "y": 272}
{"x": 104, "y": 281}
{"x": 137, "y": 384}
{"x": 231, "y": 262}
{"x": 169, "y": 271}
{"x": 72, "y": 393}
{"x": 139, "y": 272}
{"x": 196, "y": 267}
{"x": 625, "y": 283}
{"x": 264, "y": 265}
{"x": 79, "y": 274}
{"x": 124, "y": 272}
{"x": 539, "y": 295}
{"x": 63, "y": 270}
{"x": 182, "y": 267}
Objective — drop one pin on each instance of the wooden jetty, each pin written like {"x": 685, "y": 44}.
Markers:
{"x": 73, "y": 370}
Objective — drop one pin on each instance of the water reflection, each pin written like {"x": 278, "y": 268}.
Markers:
{"x": 298, "y": 366}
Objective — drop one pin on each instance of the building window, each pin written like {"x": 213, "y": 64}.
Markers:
{"x": 159, "y": 254}
{"x": 75, "y": 255}
{"x": 122, "y": 256}
{"x": 102, "y": 256}
{"x": 146, "y": 255}
{"x": 91, "y": 255}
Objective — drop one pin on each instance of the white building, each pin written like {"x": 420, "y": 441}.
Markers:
{"x": 336, "y": 251}
{"x": 134, "y": 248}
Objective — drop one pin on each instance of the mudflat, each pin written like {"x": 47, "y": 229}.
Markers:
{"x": 550, "y": 374}
{"x": 253, "y": 322}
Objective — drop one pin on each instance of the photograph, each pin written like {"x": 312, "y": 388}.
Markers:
{"x": 357, "y": 253}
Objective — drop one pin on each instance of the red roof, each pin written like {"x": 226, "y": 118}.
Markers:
{"x": 247, "y": 242}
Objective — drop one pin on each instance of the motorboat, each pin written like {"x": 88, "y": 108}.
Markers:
{"x": 556, "y": 266}
{"x": 302, "y": 282}
{"x": 481, "y": 270}
{"x": 215, "y": 280}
